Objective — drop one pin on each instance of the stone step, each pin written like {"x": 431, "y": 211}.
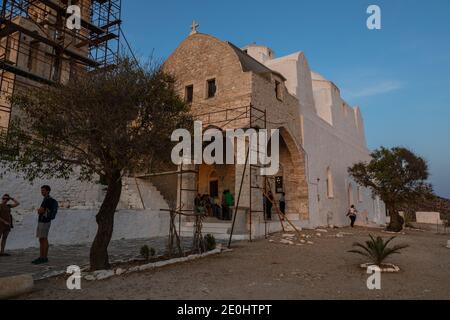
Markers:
{"x": 218, "y": 236}
{"x": 210, "y": 224}
{"x": 206, "y": 229}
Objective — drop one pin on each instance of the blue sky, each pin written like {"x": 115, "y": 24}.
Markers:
{"x": 399, "y": 75}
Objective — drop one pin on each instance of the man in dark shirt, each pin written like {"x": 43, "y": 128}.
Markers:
{"x": 6, "y": 221}
{"x": 45, "y": 212}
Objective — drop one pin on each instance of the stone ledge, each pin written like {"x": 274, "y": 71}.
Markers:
{"x": 11, "y": 287}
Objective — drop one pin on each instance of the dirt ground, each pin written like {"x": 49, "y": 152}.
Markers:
{"x": 268, "y": 270}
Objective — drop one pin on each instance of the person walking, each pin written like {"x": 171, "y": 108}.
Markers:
{"x": 46, "y": 214}
{"x": 6, "y": 221}
{"x": 283, "y": 203}
{"x": 352, "y": 213}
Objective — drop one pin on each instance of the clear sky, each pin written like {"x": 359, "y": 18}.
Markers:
{"x": 399, "y": 75}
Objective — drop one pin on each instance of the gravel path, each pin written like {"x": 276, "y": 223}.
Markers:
{"x": 267, "y": 269}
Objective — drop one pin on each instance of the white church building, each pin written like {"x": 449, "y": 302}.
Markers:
{"x": 327, "y": 134}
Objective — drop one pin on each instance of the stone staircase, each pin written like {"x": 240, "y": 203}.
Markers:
{"x": 219, "y": 229}
{"x": 133, "y": 189}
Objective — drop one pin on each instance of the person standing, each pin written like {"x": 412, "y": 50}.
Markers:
{"x": 46, "y": 213}
{"x": 229, "y": 202}
{"x": 352, "y": 213}
{"x": 6, "y": 221}
{"x": 283, "y": 203}
{"x": 268, "y": 204}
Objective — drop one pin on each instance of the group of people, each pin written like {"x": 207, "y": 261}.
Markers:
{"x": 269, "y": 201}
{"x": 46, "y": 214}
{"x": 211, "y": 207}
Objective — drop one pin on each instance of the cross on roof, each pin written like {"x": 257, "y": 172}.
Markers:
{"x": 194, "y": 27}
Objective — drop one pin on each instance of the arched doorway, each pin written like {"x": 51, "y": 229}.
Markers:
{"x": 292, "y": 177}
{"x": 213, "y": 184}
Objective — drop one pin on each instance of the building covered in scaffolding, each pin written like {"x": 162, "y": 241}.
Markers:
{"x": 38, "y": 46}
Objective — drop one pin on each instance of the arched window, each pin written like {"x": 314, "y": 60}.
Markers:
{"x": 330, "y": 184}
{"x": 351, "y": 200}
{"x": 360, "y": 194}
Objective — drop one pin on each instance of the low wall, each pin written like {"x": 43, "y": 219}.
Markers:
{"x": 79, "y": 227}
{"x": 428, "y": 217}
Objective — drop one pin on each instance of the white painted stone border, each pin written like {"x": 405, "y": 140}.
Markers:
{"x": 106, "y": 274}
{"x": 389, "y": 267}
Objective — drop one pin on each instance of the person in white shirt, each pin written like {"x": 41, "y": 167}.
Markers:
{"x": 352, "y": 213}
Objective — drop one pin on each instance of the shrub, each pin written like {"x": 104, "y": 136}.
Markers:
{"x": 147, "y": 252}
{"x": 377, "y": 249}
{"x": 210, "y": 242}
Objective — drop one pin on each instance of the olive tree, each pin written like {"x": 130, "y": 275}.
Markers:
{"x": 105, "y": 123}
{"x": 397, "y": 176}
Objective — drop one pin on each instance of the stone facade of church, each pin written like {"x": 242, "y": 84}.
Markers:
{"x": 321, "y": 135}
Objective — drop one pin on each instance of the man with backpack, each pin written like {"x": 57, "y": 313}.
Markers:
{"x": 47, "y": 213}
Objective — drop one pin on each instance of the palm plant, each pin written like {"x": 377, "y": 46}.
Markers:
{"x": 377, "y": 249}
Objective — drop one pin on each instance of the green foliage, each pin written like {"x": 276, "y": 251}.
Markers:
{"x": 377, "y": 249}
{"x": 106, "y": 123}
{"x": 397, "y": 176}
{"x": 210, "y": 242}
{"x": 119, "y": 119}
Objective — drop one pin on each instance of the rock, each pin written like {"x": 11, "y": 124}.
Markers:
{"x": 318, "y": 234}
{"x": 310, "y": 242}
{"x": 448, "y": 244}
{"x": 322, "y": 230}
{"x": 89, "y": 277}
{"x": 387, "y": 267}
{"x": 288, "y": 242}
{"x": 11, "y": 287}
{"x": 302, "y": 241}
{"x": 103, "y": 274}
{"x": 120, "y": 271}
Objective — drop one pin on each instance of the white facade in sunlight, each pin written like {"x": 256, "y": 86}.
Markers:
{"x": 333, "y": 139}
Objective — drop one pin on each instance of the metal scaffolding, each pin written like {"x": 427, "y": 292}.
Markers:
{"x": 37, "y": 48}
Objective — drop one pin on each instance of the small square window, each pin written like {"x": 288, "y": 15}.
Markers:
{"x": 189, "y": 94}
{"x": 212, "y": 88}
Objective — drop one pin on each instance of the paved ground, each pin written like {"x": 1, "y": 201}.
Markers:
{"x": 267, "y": 269}
{"x": 63, "y": 256}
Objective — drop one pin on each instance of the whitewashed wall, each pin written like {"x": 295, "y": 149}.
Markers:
{"x": 333, "y": 137}
{"x": 139, "y": 212}
{"x": 79, "y": 227}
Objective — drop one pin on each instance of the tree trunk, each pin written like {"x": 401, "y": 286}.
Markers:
{"x": 99, "y": 258}
{"x": 396, "y": 224}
